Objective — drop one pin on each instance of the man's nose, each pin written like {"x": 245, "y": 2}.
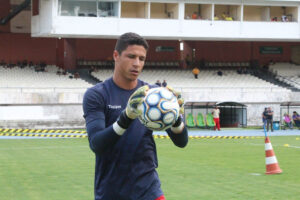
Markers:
{"x": 136, "y": 61}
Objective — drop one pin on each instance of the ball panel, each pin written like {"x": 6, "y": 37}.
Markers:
{"x": 154, "y": 114}
{"x": 157, "y": 126}
{"x": 166, "y": 94}
{"x": 153, "y": 99}
{"x": 169, "y": 118}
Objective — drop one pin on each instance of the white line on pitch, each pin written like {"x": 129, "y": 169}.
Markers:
{"x": 296, "y": 147}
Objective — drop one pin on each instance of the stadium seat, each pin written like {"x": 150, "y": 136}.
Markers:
{"x": 200, "y": 121}
{"x": 210, "y": 120}
{"x": 190, "y": 122}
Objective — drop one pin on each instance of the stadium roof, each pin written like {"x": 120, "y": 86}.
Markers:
{"x": 213, "y": 103}
{"x": 295, "y": 103}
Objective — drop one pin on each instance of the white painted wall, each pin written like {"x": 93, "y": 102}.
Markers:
{"x": 42, "y": 24}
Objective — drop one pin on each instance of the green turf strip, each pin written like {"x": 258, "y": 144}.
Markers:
{"x": 205, "y": 169}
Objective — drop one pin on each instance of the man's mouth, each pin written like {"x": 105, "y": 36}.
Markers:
{"x": 134, "y": 72}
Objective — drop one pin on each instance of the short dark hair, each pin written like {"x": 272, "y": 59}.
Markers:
{"x": 130, "y": 39}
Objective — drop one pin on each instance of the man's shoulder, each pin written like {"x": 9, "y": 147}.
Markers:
{"x": 142, "y": 83}
{"x": 97, "y": 90}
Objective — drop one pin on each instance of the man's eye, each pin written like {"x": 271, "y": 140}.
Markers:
{"x": 131, "y": 56}
{"x": 142, "y": 59}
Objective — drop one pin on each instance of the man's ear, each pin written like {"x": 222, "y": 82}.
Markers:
{"x": 115, "y": 55}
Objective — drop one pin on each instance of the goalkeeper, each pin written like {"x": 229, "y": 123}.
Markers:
{"x": 125, "y": 150}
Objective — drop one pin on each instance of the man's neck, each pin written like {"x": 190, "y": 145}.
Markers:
{"x": 124, "y": 83}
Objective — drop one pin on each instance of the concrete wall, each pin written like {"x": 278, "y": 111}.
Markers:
{"x": 41, "y": 116}
{"x": 57, "y": 109}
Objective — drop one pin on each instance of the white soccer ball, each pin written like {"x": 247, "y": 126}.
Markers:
{"x": 160, "y": 109}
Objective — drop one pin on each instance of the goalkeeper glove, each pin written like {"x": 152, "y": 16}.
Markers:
{"x": 180, "y": 100}
{"x": 131, "y": 112}
{"x": 134, "y": 101}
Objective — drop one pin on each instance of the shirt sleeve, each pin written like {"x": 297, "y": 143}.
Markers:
{"x": 101, "y": 138}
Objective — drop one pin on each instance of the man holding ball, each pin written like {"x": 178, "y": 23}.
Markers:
{"x": 125, "y": 150}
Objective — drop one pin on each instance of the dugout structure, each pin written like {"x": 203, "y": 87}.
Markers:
{"x": 232, "y": 114}
{"x": 289, "y": 107}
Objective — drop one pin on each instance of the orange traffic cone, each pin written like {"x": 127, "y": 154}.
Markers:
{"x": 272, "y": 166}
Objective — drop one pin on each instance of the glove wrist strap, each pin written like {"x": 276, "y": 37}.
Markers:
{"x": 178, "y": 122}
{"x": 124, "y": 121}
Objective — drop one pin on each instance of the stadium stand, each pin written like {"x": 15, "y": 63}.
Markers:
{"x": 207, "y": 78}
{"x": 27, "y": 77}
{"x": 288, "y": 73}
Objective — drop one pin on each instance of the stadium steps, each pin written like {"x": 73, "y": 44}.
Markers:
{"x": 271, "y": 78}
{"x": 85, "y": 75}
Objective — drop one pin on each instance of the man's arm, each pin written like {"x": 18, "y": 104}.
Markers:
{"x": 102, "y": 138}
{"x": 178, "y": 133}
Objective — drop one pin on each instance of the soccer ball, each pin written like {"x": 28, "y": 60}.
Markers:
{"x": 160, "y": 109}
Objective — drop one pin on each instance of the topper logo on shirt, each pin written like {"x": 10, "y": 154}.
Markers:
{"x": 114, "y": 107}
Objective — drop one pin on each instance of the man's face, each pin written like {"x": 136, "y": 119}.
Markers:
{"x": 130, "y": 62}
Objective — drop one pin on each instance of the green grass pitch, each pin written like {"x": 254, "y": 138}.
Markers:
{"x": 63, "y": 169}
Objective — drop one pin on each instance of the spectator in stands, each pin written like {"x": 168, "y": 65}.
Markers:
{"x": 164, "y": 83}
{"x": 37, "y": 68}
{"x": 283, "y": 18}
{"x": 10, "y": 65}
{"x": 19, "y": 64}
{"x": 274, "y": 19}
{"x": 265, "y": 67}
{"x": 58, "y": 72}
{"x": 194, "y": 15}
{"x": 92, "y": 69}
{"x": 196, "y": 71}
{"x": 30, "y": 64}
{"x": 76, "y": 75}
{"x": 245, "y": 71}
{"x": 272, "y": 62}
{"x": 288, "y": 121}
{"x": 43, "y": 66}
{"x": 216, "y": 115}
{"x": 216, "y": 18}
{"x": 286, "y": 19}
{"x": 269, "y": 115}
{"x": 25, "y": 63}
{"x": 239, "y": 70}
{"x": 220, "y": 73}
{"x": 64, "y": 72}
{"x": 158, "y": 83}
{"x": 296, "y": 119}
